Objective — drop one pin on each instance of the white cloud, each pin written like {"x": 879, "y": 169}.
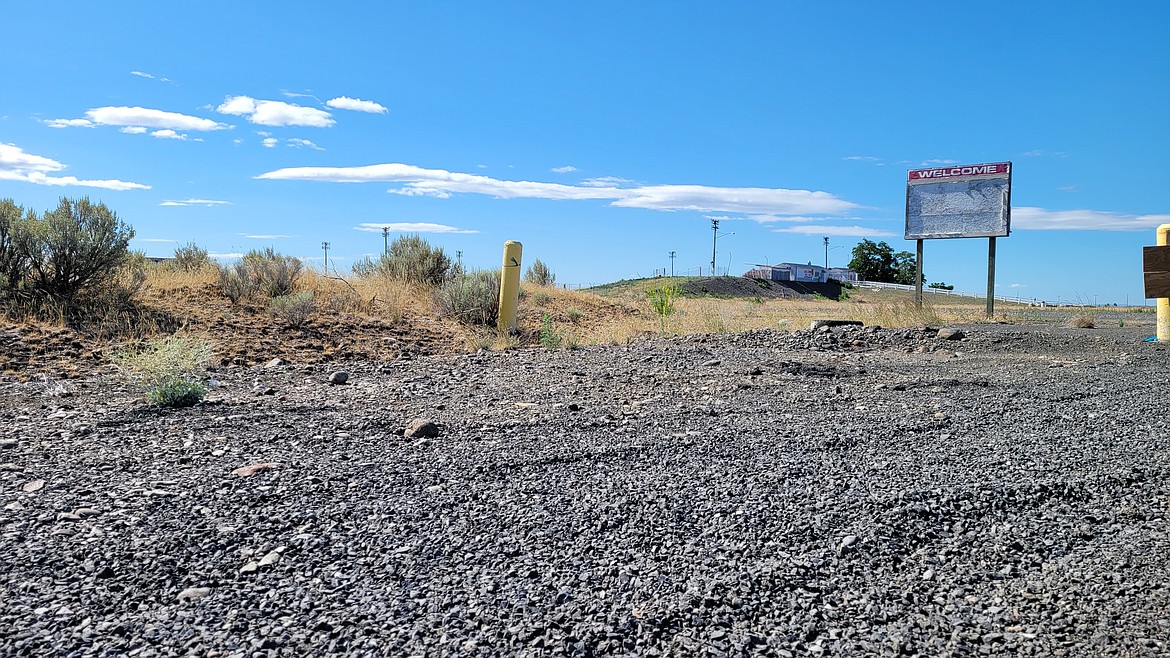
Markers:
{"x": 195, "y": 202}
{"x": 133, "y": 130}
{"x": 270, "y": 142}
{"x": 416, "y": 181}
{"x": 234, "y": 255}
{"x": 840, "y": 231}
{"x": 357, "y": 105}
{"x": 68, "y": 123}
{"x": 412, "y": 227}
{"x": 275, "y": 113}
{"x": 927, "y": 163}
{"x": 158, "y": 119}
{"x": 1018, "y": 285}
{"x": 863, "y": 158}
{"x": 266, "y": 237}
{"x": 297, "y": 142}
{"x": 1039, "y": 219}
{"x": 563, "y": 170}
{"x": 168, "y": 134}
{"x": 154, "y": 240}
{"x": 142, "y": 75}
{"x": 16, "y": 165}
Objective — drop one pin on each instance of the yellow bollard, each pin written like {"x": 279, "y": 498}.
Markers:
{"x": 509, "y": 286}
{"x": 1163, "y": 302}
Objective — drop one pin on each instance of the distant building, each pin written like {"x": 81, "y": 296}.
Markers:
{"x": 843, "y": 274}
{"x": 806, "y": 273}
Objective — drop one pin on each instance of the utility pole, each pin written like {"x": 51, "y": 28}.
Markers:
{"x": 826, "y": 252}
{"x": 672, "y": 264}
{"x": 385, "y": 239}
{"x": 714, "y": 237}
{"x": 459, "y": 256}
{"x": 325, "y": 246}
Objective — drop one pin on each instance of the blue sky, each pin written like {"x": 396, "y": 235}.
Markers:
{"x": 601, "y": 135}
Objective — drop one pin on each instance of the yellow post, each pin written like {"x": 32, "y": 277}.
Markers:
{"x": 509, "y": 286}
{"x": 1163, "y": 302}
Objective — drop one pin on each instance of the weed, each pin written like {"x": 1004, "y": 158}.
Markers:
{"x": 293, "y": 309}
{"x": 541, "y": 298}
{"x": 1083, "y": 321}
{"x": 662, "y": 301}
{"x": 168, "y": 369}
{"x": 549, "y": 338}
{"x": 575, "y": 314}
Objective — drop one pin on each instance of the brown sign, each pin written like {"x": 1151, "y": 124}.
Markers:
{"x": 1156, "y": 265}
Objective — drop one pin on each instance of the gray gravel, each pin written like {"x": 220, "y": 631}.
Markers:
{"x": 850, "y": 491}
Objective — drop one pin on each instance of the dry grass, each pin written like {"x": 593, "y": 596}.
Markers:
{"x": 1083, "y": 321}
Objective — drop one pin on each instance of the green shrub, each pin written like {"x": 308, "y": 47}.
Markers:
{"x": 191, "y": 258}
{"x": 177, "y": 393}
{"x": 235, "y": 283}
{"x": 78, "y": 246}
{"x": 472, "y": 297}
{"x": 540, "y": 298}
{"x": 169, "y": 369}
{"x": 413, "y": 260}
{"x": 293, "y": 309}
{"x": 265, "y": 273}
{"x": 274, "y": 274}
{"x": 575, "y": 314}
{"x": 539, "y": 274}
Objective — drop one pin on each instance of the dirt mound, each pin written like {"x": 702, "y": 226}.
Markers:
{"x": 730, "y": 286}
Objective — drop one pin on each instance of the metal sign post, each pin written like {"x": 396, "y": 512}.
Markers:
{"x": 963, "y": 201}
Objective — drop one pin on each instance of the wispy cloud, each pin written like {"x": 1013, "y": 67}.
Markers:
{"x": 150, "y": 118}
{"x": 195, "y": 202}
{"x": 412, "y": 227}
{"x": 155, "y": 240}
{"x": 1041, "y": 153}
{"x": 270, "y": 142}
{"x": 1067, "y": 188}
{"x": 608, "y": 181}
{"x": 937, "y": 161}
{"x": 417, "y": 181}
{"x": 297, "y": 142}
{"x": 16, "y": 165}
{"x": 356, "y": 105}
{"x": 142, "y": 75}
{"x": 68, "y": 123}
{"x": 838, "y": 231}
{"x": 863, "y": 158}
{"x": 1039, "y": 219}
{"x": 275, "y": 113}
{"x": 563, "y": 170}
{"x": 266, "y": 237}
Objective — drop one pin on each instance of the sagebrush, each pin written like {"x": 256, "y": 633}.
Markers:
{"x": 472, "y": 297}
{"x": 169, "y": 369}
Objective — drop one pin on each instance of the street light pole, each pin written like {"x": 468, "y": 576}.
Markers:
{"x": 672, "y": 264}
{"x": 385, "y": 239}
{"x": 325, "y": 246}
{"x": 826, "y": 252}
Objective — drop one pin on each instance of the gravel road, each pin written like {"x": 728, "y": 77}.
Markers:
{"x": 854, "y": 491}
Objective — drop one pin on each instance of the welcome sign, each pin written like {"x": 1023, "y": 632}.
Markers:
{"x": 961, "y": 201}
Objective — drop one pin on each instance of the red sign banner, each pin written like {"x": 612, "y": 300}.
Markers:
{"x": 957, "y": 171}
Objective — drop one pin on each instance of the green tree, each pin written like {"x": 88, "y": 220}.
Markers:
{"x": 76, "y": 246}
{"x": 876, "y": 261}
{"x": 13, "y": 259}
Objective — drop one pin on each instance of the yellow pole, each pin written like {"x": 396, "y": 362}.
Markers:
{"x": 1163, "y": 302}
{"x": 509, "y": 286}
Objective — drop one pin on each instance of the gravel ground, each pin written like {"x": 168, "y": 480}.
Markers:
{"x": 843, "y": 492}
